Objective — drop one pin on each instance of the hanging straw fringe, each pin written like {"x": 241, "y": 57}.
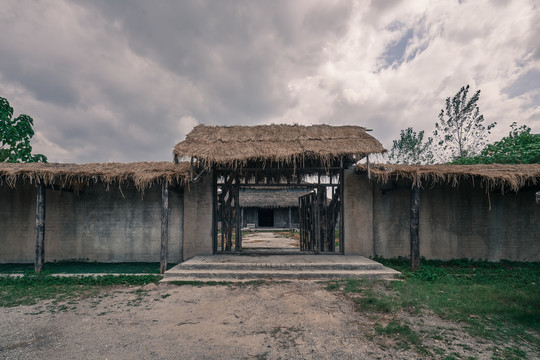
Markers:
{"x": 504, "y": 177}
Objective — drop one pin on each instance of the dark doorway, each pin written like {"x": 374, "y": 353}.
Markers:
{"x": 266, "y": 217}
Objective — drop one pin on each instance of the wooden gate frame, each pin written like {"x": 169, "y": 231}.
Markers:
{"x": 229, "y": 182}
{"x": 318, "y": 220}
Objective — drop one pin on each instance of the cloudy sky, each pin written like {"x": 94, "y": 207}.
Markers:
{"x": 126, "y": 80}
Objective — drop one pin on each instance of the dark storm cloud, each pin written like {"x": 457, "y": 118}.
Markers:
{"x": 47, "y": 85}
{"x": 240, "y": 54}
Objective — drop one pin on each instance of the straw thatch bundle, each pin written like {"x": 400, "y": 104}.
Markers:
{"x": 235, "y": 146}
{"x": 271, "y": 198}
{"x": 492, "y": 176}
{"x": 141, "y": 174}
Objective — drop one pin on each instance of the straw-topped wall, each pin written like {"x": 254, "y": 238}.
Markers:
{"x": 492, "y": 176}
{"x": 141, "y": 174}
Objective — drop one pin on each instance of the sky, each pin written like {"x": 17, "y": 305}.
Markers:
{"x": 125, "y": 81}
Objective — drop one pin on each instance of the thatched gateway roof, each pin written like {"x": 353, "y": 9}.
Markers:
{"x": 235, "y": 146}
{"x": 271, "y": 198}
{"x": 142, "y": 174}
{"x": 492, "y": 176}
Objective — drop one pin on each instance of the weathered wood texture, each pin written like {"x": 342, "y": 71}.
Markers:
{"x": 40, "y": 228}
{"x": 164, "y": 227}
{"x": 238, "y": 219}
{"x": 228, "y": 213}
{"x": 415, "y": 228}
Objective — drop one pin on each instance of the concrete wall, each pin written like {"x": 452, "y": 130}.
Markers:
{"x": 459, "y": 224}
{"x": 96, "y": 224}
{"x": 358, "y": 217}
{"x": 198, "y": 218}
{"x": 391, "y": 218}
{"x": 454, "y": 222}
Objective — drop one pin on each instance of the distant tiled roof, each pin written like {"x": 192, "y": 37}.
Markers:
{"x": 271, "y": 198}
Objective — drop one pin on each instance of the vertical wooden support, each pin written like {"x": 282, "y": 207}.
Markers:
{"x": 290, "y": 217}
{"x": 342, "y": 208}
{"x": 40, "y": 227}
{"x": 238, "y": 238}
{"x": 164, "y": 226}
{"x": 368, "y": 167}
{"x": 415, "y": 233}
{"x": 317, "y": 221}
{"x": 214, "y": 215}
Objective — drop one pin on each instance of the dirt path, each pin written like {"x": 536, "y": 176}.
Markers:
{"x": 270, "y": 240}
{"x": 269, "y": 321}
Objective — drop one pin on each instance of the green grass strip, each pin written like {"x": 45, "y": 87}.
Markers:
{"x": 86, "y": 267}
{"x": 29, "y": 289}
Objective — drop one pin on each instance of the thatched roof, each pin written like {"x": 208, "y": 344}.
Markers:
{"x": 141, "y": 174}
{"x": 235, "y": 146}
{"x": 270, "y": 198}
{"x": 492, "y": 176}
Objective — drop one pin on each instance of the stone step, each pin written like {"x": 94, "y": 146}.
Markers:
{"x": 228, "y": 275}
{"x": 275, "y": 266}
{"x": 284, "y": 267}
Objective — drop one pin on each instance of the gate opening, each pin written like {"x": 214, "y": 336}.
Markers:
{"x": 278, "y": 210}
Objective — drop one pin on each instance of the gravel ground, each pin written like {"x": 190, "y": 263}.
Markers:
{"x": 297, "y": 320}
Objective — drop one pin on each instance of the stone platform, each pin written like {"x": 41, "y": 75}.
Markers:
{"x": 277, "y": 267}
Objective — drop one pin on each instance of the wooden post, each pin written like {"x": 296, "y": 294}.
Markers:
{"x": 238, "y": 239}
{"x": 414, "y": 226}
{"x": 317, "y": 221}
{"x": 40, "y": 227}
{"x": 290, "y": 217}
{"x": 164, "y": 226}
{"x": 368, "y": 167}
{"x": 341, "y": 207}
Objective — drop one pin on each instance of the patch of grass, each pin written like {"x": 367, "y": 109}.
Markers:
{"x": 347, "y": 285}
{"x": 499, "y": 302}
{"x": 514, "y": 353}
{"x": 353, "y": 285}
{"x": 495, "y": 300}
{"x": 333, "y": 286}
{"x": 375, "y": 303}
{"x": 401, "y": 331}
{"x": 30, "y": 289}
{"x": 79, "y": 266}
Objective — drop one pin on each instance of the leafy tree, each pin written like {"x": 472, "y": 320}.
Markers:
{"x": 519, "y": 147}
{"x": 460, "y": 131}
{"x": 411, "y": 148}
{"x": 15, "y": 135}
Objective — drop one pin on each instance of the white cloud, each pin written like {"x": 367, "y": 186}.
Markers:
{"x": 110, "y": 82}
{"x": 476, "y": 43}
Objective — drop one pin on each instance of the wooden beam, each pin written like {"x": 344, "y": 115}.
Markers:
{"x": 40, "y": 227}
{"x": 164, "y": 226}
{"x": 414, "y": 226}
